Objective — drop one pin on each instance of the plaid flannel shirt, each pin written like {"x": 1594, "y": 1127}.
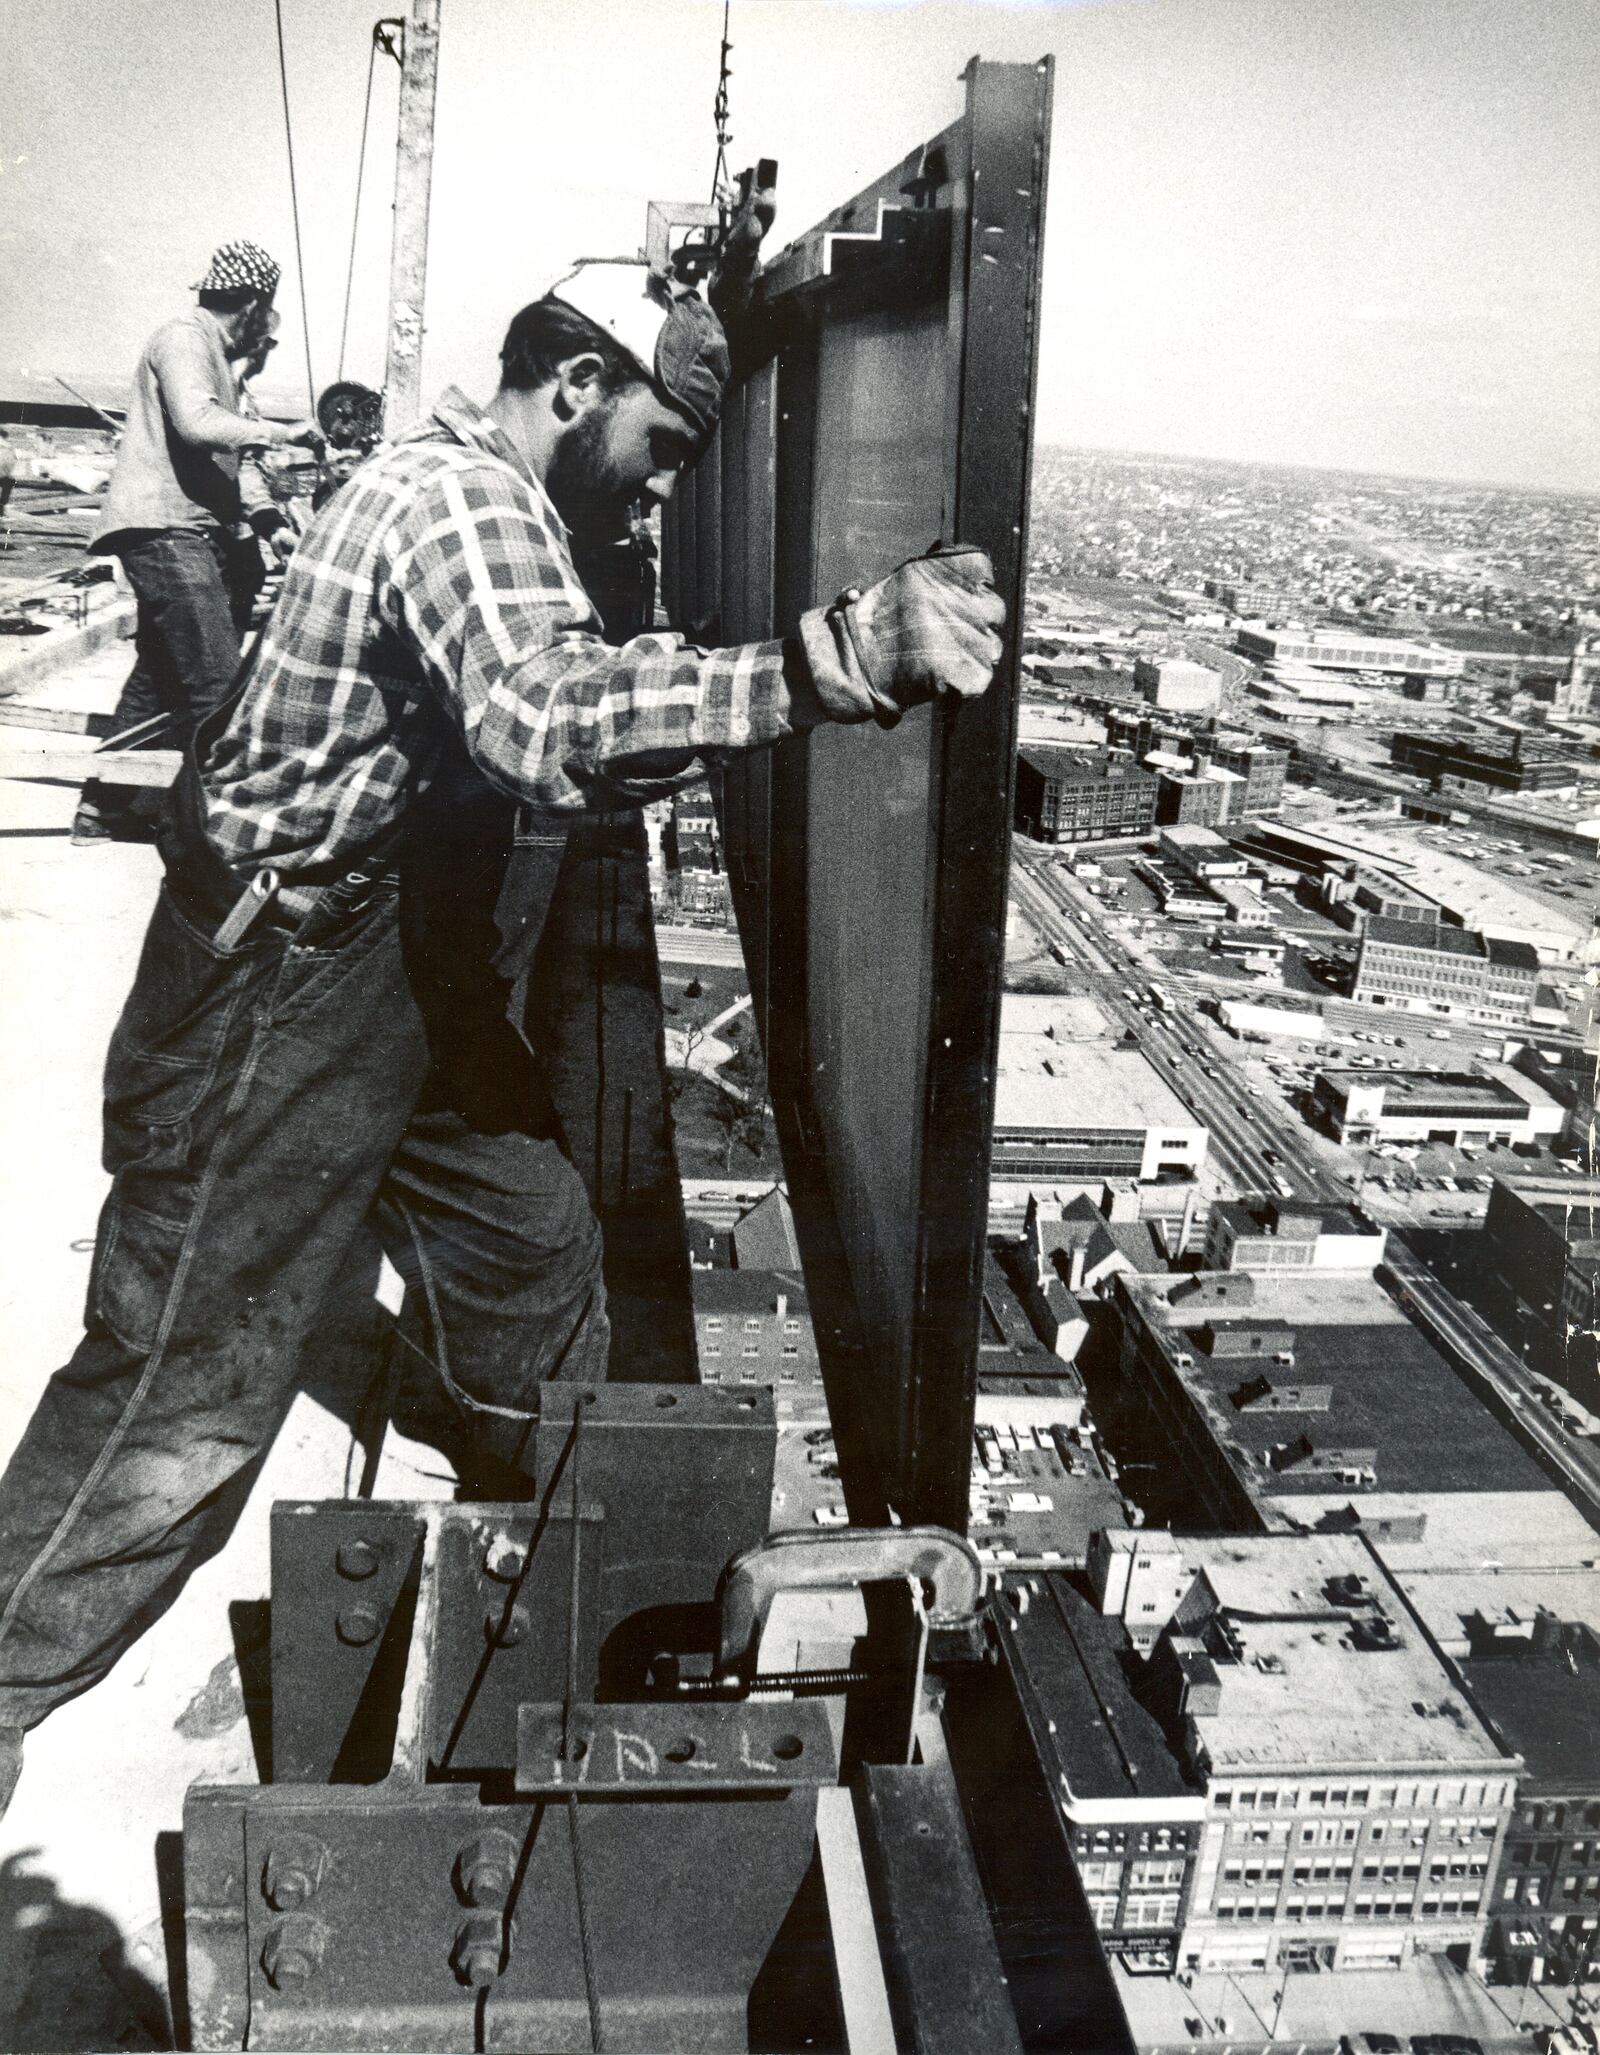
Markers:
{"x": 437, "y": 587}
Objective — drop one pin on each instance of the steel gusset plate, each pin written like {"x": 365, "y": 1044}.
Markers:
{"x": 375, "y": 1942}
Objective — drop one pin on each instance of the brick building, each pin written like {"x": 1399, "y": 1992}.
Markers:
{"x": 1449, "y": 972}
{"x": 1081, "y": 795}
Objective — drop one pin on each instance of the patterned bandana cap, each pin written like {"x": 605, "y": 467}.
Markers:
{"x": 673, "y": 337}
{"x": 237, "y": 267}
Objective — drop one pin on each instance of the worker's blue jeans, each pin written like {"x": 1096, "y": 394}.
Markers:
{"x": 260, "y": 1103}
{"x": 194, "y": 590}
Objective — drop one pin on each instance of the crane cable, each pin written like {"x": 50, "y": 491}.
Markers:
{"x": 384, "y": 38}
{"x": 294, "y": 203}
{"x": 355, "y": 217}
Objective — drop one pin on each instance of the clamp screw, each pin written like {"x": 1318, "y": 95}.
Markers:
{"x": 357, "y": 1559}
{"x": 357, "y": 1625}
{"x": 485, "y": 1868}
{"x": 480, "y": 1944}
{"x": 292, "y": 1953}
{"x": 292, "y": 1871}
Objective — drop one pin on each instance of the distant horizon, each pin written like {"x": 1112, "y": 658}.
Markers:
{"x": 1095, "y": 449}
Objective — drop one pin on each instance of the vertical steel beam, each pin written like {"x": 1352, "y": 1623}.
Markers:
{"x": 413, "y": 179}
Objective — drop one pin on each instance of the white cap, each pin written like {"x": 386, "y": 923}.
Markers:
{"x": 626, "y": 299}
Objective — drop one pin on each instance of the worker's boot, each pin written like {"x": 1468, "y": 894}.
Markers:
{"x": 10, "y": 1764}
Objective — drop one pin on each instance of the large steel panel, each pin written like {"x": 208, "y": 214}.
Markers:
{"x": 893, "y": 407}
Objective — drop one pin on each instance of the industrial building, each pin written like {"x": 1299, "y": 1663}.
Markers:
{"x": 1209, "y": 775}
{"x": 1081, "y": 795}
{"x": 1432, "y": 967}
{"x": 1363, "y": 1106}
{"x": 1333, "y": 649}
{"x": 1356, "y": 1801}
{"x": 1524, "y": 763}
{"x": 1102, "y": 1111}
{"x": 1175, "y": 685}
{"x": 1256, "y": 1392}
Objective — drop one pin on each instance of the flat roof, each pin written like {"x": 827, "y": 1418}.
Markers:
{"x": 1109, "y": 1085}
{"x": 1391, "y": 1389}
{"x": 1260, "y": 1215}
{"x": 1063, "y": 1016}
{"x": 1299, "y": 1695}
{"x": 1186, "y": 836}
{"x": 1058, "y": 761}
{"x": 1424, "y": 1091}
{"x": 1545, "y": 1711}
{"x": 1439, "y": 936}
{"x": 1075, "y": 1665}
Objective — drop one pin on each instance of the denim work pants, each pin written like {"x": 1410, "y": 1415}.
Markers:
{"x": 261, "y": 1103}
{"x": 194, "y": 591}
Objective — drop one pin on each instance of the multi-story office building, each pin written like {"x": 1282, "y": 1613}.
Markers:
{"x": 1362, "y": 1106}
{"x": 1430, "y": 967}
{"x": 1332, "y": 649}
{"x": 1537, "y": 1682}
{"x": 1132, "y": 1812}
{"x": 1356, "y": 1800}
{"x": 1524, "y": 764}
{"x": 1541, "y": 1236}
{"x": 1271, "y": 1399}
{"x": 1266, "y": 603}
{"x": 1262, "y": 765}
{"x": 1081, "y": 795}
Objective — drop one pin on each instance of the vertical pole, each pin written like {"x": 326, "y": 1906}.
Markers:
{"x": 413, "y": 177}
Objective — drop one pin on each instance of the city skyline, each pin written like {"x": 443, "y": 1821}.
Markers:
{"x": 1332, "y": 239}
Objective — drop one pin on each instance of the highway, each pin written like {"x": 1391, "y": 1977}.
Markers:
{"x": 1243, "y": 1128}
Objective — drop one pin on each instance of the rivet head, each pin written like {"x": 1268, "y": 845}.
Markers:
{"x": 357, "y": 1625}
{"x": 357, "y": 1559}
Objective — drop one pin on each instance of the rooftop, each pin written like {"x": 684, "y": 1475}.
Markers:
{"x": 1054, "y": 761}
{"x": 1204, "y": 841}
{"x": 1294, "y": 1219}
{"x": 1423, "y": 1091}
{"x": 1098, "y": 1084}
{"x": 1391, "y": 1390}
{"x": 765, "y": 1238}
{"x": 750, "y": 1291}
{"x": 1299, "y": 1691}
{"x": 1438, "y": 936}
{"x": 1543, "y": 1706}
{"x": 1076, "y": 1669}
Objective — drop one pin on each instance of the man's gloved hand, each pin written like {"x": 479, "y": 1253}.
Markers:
{"x": 930, "y": 628}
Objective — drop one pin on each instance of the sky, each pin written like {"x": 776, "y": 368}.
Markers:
{"x": 1354, "y": 233}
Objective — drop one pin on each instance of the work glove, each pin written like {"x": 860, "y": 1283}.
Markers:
{"x": 927, "y": 630}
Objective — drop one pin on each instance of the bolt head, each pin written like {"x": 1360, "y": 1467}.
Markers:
{"x": 505, "y": 1559}
{"x": 292, "y": 1871}
{"x": 485, "y": 1869}
{"x": 479, "y": 1946}
{"x": 357, "y": 1625}
{"x": 357, "y": 1559}
{"x": 506, "y": 1629}
{"x": 292, "y": 1953}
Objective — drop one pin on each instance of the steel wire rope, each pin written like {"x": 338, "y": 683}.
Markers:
{"x": 294, "y": 205}
{"x": 719, "y": 115}
{"x": 355, "y": 214}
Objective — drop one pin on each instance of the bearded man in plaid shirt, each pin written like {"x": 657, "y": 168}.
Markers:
{"x": 291, "y": 1064}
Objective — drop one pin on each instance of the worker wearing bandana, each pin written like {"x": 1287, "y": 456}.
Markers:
{"x": 176, "y": 517}
{"x": 326, "y": 1028}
